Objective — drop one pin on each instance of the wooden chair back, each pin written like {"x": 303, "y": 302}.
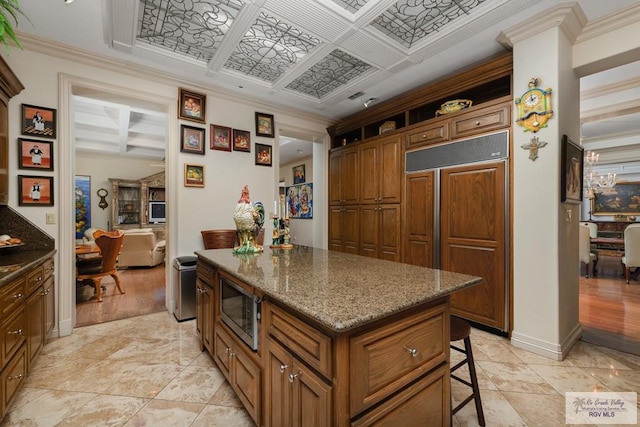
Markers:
{"x": 218, "y": 239}
{"x": 110, "y": 244}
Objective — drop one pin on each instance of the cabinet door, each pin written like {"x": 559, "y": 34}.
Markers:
{"x": 4, "y": 155}
{"x": 369, "y": 173}
{"x": 369, "y": 227}
{"x": 335, "y": 177}
{"x": 12, "y": 334}
{"x": 389, "y": 232}
{"x": 473, "y": 239}
{"x": 35, "y": 325}
{"x": 222, "y": 353}
{"x": 49, "y": 307}
{"x": 311, "y": 398}
{"x": 278, "y": 388}
{"x": 350, "y": 229}
{"x": 418, "y": 224}
{"x": 349, "y": 177}
{"x": 389, "y": 171}
{"x": 246, "y": 381}
{"x": 335, "y": 228}
{"x": 208, "y": 320}
{"x": 199, "y": 311}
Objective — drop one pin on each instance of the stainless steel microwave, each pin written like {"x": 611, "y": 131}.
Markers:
{"x": 239, "y": 311}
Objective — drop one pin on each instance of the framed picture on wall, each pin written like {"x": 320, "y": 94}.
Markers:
{"x": 220, "y": 138}
{"x": 34, "y": 154}
{"x": 263, "y": 155}
{"x": 35, "y": 190}
{"x": 571, "y": 171}
{"x": 193, "y": 175}
{"x": 192, "y": 106}
{"x": 191, "y": 139}
{"x": 83, "y": 204}
{"x": 241, "y": 140}
{"x": 298, "y": 174}
{"x": 264, "y": 125}
{"x": 38, "y": 121}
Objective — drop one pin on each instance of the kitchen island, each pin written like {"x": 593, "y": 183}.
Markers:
{"x": 341, "y": 339}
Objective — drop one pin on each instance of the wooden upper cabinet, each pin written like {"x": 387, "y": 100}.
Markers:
{"x": 343, "y": 176}
{"x": 10, "y": 86}
{"x": 381, "y": 170}
{"x": 483, "y": 120}
{"x": 431, "y": 133}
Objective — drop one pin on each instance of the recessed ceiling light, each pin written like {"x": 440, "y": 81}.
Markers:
{"x": 369, "y": 101}
{"x": 68, "y": 1}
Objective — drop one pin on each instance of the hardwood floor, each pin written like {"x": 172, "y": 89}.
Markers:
{"x": 610, "y": 309}
{"x": 144, "y": 294}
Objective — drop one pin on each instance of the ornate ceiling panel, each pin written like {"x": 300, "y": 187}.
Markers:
{"x": 192, "y": 28}
{"x": 269, "y": 48}
{"x": 335, "y": 69}
{"x": 410, "y": 21}
{"x": 351, "y": 5}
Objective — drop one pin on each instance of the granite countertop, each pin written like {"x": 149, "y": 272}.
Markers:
{"x": 14, "y": 261}
{"x": 340, "y": 291}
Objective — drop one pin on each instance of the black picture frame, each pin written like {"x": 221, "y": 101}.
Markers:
{"x": 27, "y": 195}
{"x": 220, "y": 138}
{"x": 241, "y": 140}
{"x": 35, "y": 154}
{"x": 263, "y": 154}
{"x": 299, "y": 174}
{"x": 192, "y": 139}
{"x": 192, "y": 106}
{"x": 39, "y": 121}
{"x": 571, "y": 171}
{"x": 264, "y": 125}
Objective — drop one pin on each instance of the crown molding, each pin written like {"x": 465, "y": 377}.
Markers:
{"x": 609, "y": 111}
{"x": 617, "y": 87}
{"x": 73, "y": 54}
{"x": 569, "y": 17}
{"x": 612, "y": 22}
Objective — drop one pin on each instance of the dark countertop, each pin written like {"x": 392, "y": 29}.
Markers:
{"x": 340, "y": 291}
{"x": 13, "y": 262}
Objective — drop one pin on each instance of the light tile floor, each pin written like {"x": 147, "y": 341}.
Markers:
{"x": 149, "y": 371}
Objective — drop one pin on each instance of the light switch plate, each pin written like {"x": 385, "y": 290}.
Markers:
{"x": 51, "y": 218}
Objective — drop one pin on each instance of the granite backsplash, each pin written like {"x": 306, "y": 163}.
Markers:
{"x": 15, "y": 225}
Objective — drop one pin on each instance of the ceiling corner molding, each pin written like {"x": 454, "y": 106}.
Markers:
{"x": 122, "y": 21}
{"x": 615, "y": 21}
{"x": 569, "y": 17}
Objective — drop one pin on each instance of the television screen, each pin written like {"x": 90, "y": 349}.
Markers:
{"x": 157, "y": 212}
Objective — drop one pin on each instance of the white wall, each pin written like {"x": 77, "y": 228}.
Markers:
{"x": 100, "y": 169}
{"x": 301, "y": 229}
{"x": 47, "y": 80}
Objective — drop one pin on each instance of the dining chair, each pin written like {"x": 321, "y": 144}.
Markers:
{"x": 631, "y": 256}
{"x": 585, "y": 255}
{"x": 218, "y": 239}
{"x": 110, "y": 243}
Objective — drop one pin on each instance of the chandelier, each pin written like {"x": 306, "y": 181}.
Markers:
{"x": 593, "y": 182}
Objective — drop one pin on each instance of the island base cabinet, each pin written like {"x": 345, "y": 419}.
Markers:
{"x": 425, "y": 403}
{"x": 295, "y": 396}
{"x": 243, "y": 373}
{"x": 205, "y": 316}
{"x": 35, "y": 326}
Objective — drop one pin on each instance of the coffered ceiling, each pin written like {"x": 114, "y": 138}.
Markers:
{"x": 325, "y": 57}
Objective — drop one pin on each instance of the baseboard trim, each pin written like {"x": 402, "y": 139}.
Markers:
{"x": 547, "y": 349}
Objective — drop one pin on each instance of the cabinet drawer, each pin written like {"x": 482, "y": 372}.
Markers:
{"x": 430, "y": 134}
{"x": 483, "y": 120}
{"x": 12, "y": 377}
{"x": 48, "y": 268}
{"x": 12, "y": 334}
{"x": 35, "y": 279}
{"x": 205, "y": 272}
{"x": 385, "y": 360}
{"x": 425, "y": 403}
{"x": 307, "y": 343}
{"x": 12, "y": 296}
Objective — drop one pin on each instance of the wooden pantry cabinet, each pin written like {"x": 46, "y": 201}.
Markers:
{"x": 27, "y": 317}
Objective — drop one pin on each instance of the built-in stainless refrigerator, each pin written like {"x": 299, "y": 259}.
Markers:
{"x": 458, "y": 219}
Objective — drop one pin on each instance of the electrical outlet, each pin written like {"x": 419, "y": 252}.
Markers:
{"x": 51, "y": 218}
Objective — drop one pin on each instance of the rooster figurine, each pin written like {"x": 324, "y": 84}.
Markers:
{"x": 249, "y": 220}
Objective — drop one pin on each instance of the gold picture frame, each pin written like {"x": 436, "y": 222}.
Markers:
{"x": 193, "y": 175}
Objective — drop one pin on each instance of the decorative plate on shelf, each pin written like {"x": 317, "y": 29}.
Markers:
{"x": 387, "y": 126}
{"x": 453, "y": 106}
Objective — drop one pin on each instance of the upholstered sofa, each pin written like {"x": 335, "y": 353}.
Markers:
{"x": 141, "y": 249}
